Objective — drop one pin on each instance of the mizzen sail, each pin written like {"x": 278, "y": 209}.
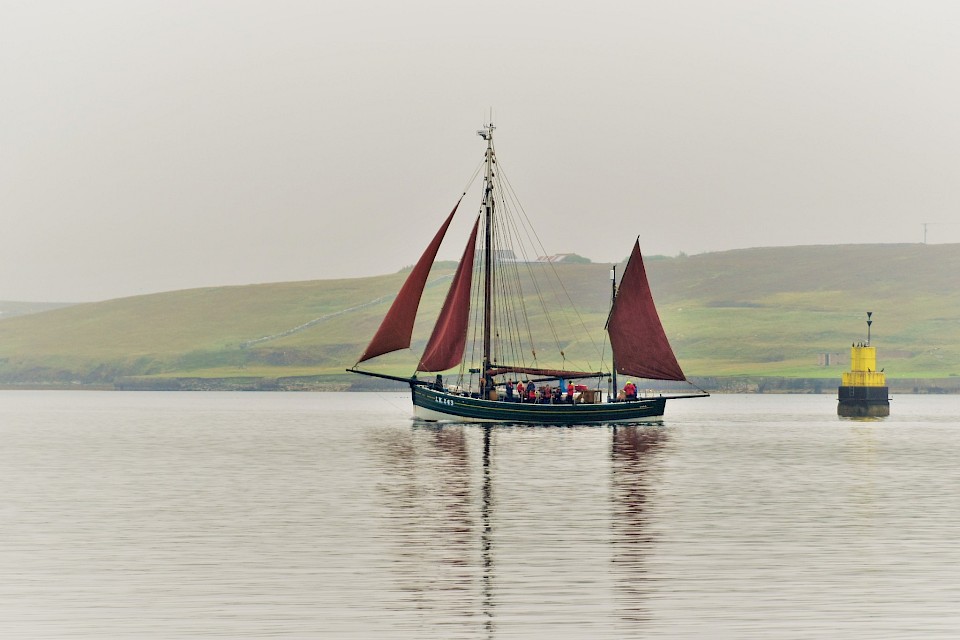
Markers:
{"x": 445, "y": 348}
{"x": 397, "y": 327}
{"x": 640, "y": 346}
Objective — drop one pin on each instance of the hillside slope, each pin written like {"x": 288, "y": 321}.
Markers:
{"x": 751, "y": 312}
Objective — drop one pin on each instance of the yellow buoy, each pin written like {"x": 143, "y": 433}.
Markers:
{"x": 863, "y": 390}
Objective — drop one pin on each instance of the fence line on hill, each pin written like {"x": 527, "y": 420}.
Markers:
{"x": 335, "y": 314}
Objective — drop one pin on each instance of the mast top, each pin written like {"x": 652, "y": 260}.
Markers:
{"x": 486, "y": 132}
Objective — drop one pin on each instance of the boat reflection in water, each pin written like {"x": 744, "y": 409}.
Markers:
{"x": 513, "y": 529}
{"x": 634, "y": 454}
{"x": 430, "y": 536}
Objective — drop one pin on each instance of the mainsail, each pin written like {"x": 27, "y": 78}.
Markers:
{"x": 397, "y": 327}
{"x": 640, "y": 346}
{"x": 445, "y": 348}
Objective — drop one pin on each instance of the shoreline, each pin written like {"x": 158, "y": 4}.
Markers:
{"x": 714, "y": 385}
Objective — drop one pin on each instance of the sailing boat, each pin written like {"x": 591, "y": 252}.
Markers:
{"x": 484, "y": 389}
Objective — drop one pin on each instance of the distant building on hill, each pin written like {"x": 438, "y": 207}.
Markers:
{"x": 571, "y": 258}
{"x": 831, "y": 359}
{"x": 508, "y": 255}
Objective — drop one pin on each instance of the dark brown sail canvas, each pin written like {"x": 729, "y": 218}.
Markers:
{"x": 397, "y": 327}
{"x": 640, "y": 347}
{"x": 445, "y": 348}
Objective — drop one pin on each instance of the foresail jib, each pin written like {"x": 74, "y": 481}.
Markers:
{"x": 396, "y": 329}
{"x": 640, "y": 346}
{"x": 445, "y": 348}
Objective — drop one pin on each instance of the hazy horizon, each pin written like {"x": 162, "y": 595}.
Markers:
{"x": 156, "y": 146}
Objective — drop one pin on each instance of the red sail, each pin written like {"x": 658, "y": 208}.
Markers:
{"x": 397, "y": 326}
{"x": 640, "y": 347}
{"x": 444, "y": 350}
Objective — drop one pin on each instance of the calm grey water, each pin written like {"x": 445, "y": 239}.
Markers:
{"x": 166, "y": 515}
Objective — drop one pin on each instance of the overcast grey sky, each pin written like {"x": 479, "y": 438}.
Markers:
{"x": 150, "y": 146}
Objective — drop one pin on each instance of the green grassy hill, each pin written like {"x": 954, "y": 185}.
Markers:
{"x": 12, "y": 309}
{"x": 752, "y": 312}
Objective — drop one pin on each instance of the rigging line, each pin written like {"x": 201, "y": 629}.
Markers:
{"x": 505, "y": 336}
{"x": 511, "y": 292}
{"x": 515, "y": 291}
{"x": 603, "y": 356}
{"x": 473, "y": 178}
{"x": 462, "y": 371}
{"x": 532, "y": 271}
{"x": 520, "y": 310}
{"x": 503, "y": 312}
{"x": 566, "y": 293}
{"x": 476, "y": 309}
{"x": 507, "y": 333}
{"x": 511, "y": 222}
{"x": 509, "y": 310}
{"x": 496, "y": 308}
{"x": 559, "y": 280}
{"x": 393, "y": 404}
{"x": 504, "y": 193}
{"x": 512, "y": 268}
{"x": 540, "y": 284}
{"x": 697, "y": 387}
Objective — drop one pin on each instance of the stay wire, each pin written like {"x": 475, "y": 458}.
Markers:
{"x": 535, "y": 242}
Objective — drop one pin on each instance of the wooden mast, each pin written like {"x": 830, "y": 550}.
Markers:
{"x": 487, "y": 134}
{"x": 613, "y": 299}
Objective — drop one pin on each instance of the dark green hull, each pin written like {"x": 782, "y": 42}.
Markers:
{"x": 433, "y": 405}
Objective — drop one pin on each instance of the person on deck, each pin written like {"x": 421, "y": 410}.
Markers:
{"x": 509, "y": 389}
{"x": 520, "y": 390}
{"x": 556, "y": 395}
{"x": 630, "y": 390}
{"x": 531, "y": 392}
{"x": 569, "y": 394}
